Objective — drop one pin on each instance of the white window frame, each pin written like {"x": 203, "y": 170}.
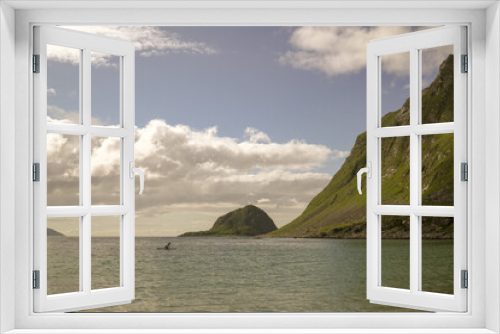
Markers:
{"x": 483, "y": 315}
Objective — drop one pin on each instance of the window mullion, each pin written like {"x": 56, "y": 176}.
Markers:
{"x": 85, "y": 178}
{"x": 414, "y": 172}
{"x": 109, "y": 210}
{"x": 420, "y": 129}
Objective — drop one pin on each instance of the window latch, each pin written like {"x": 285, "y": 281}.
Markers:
{"x": 368, "y": 171}
{"x": 133, "y": 170}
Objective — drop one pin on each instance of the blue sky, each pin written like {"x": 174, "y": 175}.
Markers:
{"x": 277, "y": 108}
{"x": 243, "y": 84}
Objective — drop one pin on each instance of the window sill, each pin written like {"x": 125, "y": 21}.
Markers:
{"x": 250, "y": 331}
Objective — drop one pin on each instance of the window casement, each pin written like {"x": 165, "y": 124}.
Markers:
{"x": 416, "y": 130}
{"x": 83, "y": 133}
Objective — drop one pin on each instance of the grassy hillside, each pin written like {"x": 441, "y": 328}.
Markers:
{"x": 247, "y": 221}
{"x": 340, "y": 212}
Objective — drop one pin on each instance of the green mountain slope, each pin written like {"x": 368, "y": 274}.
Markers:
{"x": 247, "y": 221}
{"x": 340, "y": 212}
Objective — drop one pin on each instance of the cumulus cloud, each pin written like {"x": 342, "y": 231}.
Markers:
{"x": 342, "y": 50}
{"x": 56, "y": 114}
{"x": 255, "y": 136}
{"x": 62, "y": 169}
{"x": 192, "y": 168}
{"x": 51, "y": 91}
{"x": 148, "y": 41}
{"x": 206, "y": 150}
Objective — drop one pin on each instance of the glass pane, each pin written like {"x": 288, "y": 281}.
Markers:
{"x": 395, "y": 251}
{"x": 437, "y": 84}
{"x": 105, "y": 252}
{"x": 105, "y": 170}
{"x": 63, "y": 255}
{"x": 395, "y": 92}
{"x": 395, "y": 172}
{"x": 437, "y": 254}
{"x": 63, "y": 84}
{"x": 63, "y": 170}
{"x": 437, "y": 169}
{"x": 105, "y": 89}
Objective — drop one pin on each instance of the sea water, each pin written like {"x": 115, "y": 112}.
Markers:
{"x": 247, "y": 274}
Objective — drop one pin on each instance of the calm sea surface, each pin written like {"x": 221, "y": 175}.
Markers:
{"x": 248, "y": 274}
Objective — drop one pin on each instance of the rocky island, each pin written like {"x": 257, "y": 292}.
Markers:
{"x": 54, "y": 233}
{"x": 243, "y": 222}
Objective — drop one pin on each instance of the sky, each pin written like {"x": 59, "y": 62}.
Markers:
{"x": 225, "y": 117}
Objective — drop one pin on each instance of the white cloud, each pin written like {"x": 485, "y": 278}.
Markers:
{"x": 56, "y": 114}
{"x": 208, "y": 151}
{"x": 255, "y": 136}
{"x": 105, "y": 156}
{"x": 190, "y": 166}
{"x": 51, "y": 91}
{"x": 62, "y": 169}
{"x": 148, "y": 41}
{"x": 189, "y": 170}
{"x": 342, "y": 50}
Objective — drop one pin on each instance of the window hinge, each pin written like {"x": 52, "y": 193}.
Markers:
{"x": 36, "y": 279}
{"x": 36, "y": 172}
{"x": 36, "y": 63}
{"x": 465, "y": 63}
{"x": 464, "y": 171}
{"x": 465, "y": 279}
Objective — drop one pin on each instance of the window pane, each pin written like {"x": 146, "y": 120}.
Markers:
{"x": 437, "y": 84}
{"x": 437, "y": 254}
{"x": 105, "y": 89}
{"x": 437, "y": 169}
{"x": 63, "y": 170}
{"x": 63, "y": 255}
{"x": 395, "y": 92}
{"x": 105, "y": 252}
{"x": 63, "y": 84}
{"x": 395, "y": 171}
{"x": 105, "y": 170}
{"x": 395, "y": 232}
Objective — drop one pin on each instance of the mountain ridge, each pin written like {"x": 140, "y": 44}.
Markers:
{"x": 338, "y": 211}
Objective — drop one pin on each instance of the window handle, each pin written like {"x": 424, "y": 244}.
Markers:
{"x": 138, "y": 171}
{"x": 368, "y": 171}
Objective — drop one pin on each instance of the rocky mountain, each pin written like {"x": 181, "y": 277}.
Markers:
{"x": 54, "y": 233}
{"x": 340, "y": 212}
{"x": 247, "y": 221}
